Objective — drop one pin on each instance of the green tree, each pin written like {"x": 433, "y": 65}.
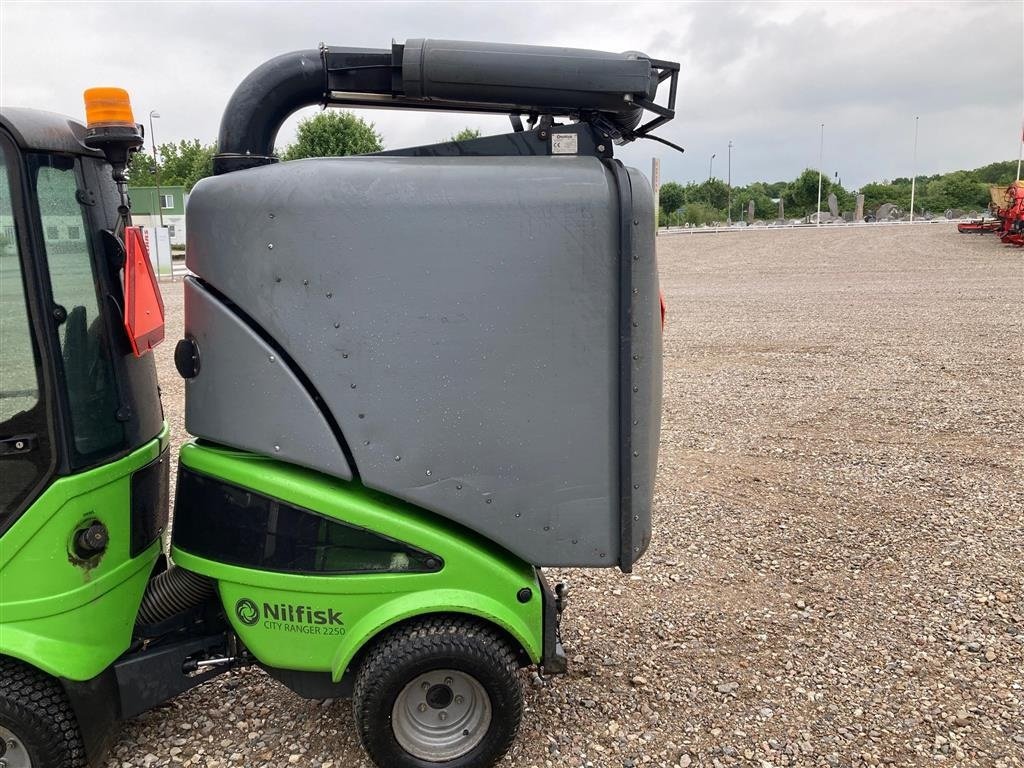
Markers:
{"x": 713, "y": 192}
{"x": 671, "y": 197}
{"x": 333, "y": 133}
{"x": 846, "y": 200}
{"x": 764, "y": 206}
{"x": 141, "y": 171}
{"x": 185, "y": 163}
{"x": 466, "y": 134}
{"x": 960, "y": 189}
{"x": 702, "y": 213}
{"x": 801, "y": 194}
{"x": 996, "y": 173}
{"x": 877, "y": 193}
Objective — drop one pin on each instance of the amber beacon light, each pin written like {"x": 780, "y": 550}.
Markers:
{"x": 111, "y": 129}
{"x": 108, "y": 106}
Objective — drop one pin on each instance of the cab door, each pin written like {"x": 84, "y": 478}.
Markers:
{"x": 27, "y": 461}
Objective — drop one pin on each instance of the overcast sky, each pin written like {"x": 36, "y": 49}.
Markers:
{"x": 764, "y": 75}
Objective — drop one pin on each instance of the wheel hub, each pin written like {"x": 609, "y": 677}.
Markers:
{"x": 13, "y": 753}
{"x": 441, "y": 715}
{"x": 439, "y": 696}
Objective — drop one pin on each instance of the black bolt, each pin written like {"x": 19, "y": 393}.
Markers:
{"x": 524, "y": 595}
{"x": 92, "y": 539}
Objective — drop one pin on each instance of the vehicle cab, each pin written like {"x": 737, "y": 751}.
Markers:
{"x": 83, "y": 444}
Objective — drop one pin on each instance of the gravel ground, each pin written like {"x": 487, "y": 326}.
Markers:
{"x": 837, "y": 572}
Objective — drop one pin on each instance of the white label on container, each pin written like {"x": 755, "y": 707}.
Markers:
{"x": 564, "y": 144}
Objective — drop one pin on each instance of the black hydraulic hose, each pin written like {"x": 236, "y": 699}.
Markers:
{"x": 172, "y": 592}
{"x": 262, "y": 102}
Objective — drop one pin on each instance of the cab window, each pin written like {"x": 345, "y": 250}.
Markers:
{"x": 88, "y": 374}
{"x": 25, "y": 456}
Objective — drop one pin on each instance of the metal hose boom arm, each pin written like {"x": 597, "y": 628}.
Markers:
{"x": 612, "y": 88}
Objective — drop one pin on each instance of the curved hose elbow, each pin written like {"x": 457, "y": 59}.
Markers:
{"x": 260, "y": 105}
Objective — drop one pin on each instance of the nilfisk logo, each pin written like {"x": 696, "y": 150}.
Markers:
{"x": 288, "y": 617}
{"x": 247, "y": 612}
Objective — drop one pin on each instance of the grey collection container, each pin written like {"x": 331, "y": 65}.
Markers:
{"x": 443, "y": 330}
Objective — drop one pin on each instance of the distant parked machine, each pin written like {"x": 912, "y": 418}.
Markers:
{"x": 1007, "y": 209}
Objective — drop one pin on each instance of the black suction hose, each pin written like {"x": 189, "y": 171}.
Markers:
{"x": 172, "y": 592}
{"x": 262, "y": 102}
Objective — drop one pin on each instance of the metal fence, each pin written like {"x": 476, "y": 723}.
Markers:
{"x": 829, "y": 225}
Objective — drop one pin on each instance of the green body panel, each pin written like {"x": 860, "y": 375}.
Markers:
{"x": 478, "y": 577}
{"x": 69, "y": 617}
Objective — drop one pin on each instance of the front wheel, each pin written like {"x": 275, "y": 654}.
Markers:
{"x": 438, "y": 693}
{"x": 37, "y": 727}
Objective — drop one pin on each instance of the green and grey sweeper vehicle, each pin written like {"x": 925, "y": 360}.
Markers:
{"x": 412, "y": 380}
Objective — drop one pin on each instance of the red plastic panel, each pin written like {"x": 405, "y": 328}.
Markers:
{"x": 143, "y": 305}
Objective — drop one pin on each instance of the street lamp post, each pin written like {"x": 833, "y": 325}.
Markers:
{"x": 156, "y": 176}
{"x": 156, "y": 180}
{"x": 711, "y": 164}
{"x": 728, "y": 218}
{"x": 913, "y": 177}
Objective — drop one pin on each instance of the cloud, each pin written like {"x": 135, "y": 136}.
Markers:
{"x": 763, "y": 75}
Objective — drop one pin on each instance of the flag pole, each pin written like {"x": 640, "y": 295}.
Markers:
{"x": 913, "y": 180}
{"x": 821, "y": 154}
{"x": 1020, "y": 151}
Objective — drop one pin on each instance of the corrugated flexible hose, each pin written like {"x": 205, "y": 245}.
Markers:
{"x": 174, "y": 591}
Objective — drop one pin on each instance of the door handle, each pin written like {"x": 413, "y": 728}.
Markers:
{"x": 11, "y": 446}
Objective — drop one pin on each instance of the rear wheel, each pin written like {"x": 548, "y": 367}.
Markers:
{"x": 438, "y": 692}
{"x": 37, "y": 727}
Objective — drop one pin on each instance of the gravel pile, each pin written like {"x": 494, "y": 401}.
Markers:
{"x": 837, "y": 571}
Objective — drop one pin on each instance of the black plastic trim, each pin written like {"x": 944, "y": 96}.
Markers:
{"x": 95, "y": 704}
{"x": 625, "y": 195}
{"x": 553, "y": 658}
{"x": 219, "y": 520}
{"x": 314, "y": 685}
{"x": 149, "y": 502}
{"x": 150, "y": 677}
{"x": 534, "y": 143}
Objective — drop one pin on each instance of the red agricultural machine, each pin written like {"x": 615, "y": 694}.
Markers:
{"x": 1007, "y": 207}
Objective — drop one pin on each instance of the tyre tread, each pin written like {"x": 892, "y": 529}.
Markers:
{"x": 38, "y": 699}
{"x": 444, "y": 633}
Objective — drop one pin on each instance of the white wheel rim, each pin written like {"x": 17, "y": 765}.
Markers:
{"x": 12, "y": 750}
{"x": 441, "y": 715}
